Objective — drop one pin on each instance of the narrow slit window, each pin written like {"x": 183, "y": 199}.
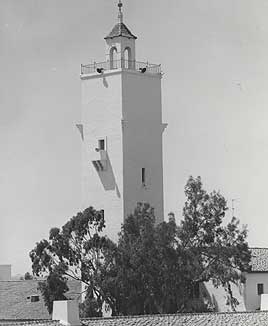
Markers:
{"x": 101, "y": 144}
{"x": 143, "y": 176}
{"x": 260, "y": 288}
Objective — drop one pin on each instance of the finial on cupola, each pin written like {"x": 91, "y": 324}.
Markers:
{"x": 120, "y": 14}
{"x": 120, "y": 29}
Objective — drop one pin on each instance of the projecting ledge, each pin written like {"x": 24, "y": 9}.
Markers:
{"x": 164, "y": 126}
{"x": 118, "y": 71}
{"x": 104, "y": 74}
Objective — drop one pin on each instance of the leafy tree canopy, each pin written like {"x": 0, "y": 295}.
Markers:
{"x": 158, "y": 267}
{"x": 77, "y": 251}
{"x": 153, "y": 268}
{"x": 28, "y": 276}
{"x": 147, "y": 265}
{"x": 213, "y": 250}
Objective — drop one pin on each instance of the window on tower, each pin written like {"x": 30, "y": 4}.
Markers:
{"x": 113, "y": 62}
{"x": 101, "y": 144}
{"x": 143, "y": 176}
{"x": 127, "y": 58}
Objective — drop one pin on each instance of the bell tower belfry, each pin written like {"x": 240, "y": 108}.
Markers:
{"x": 121, "y": 131}
{"x": 120, "y": 43}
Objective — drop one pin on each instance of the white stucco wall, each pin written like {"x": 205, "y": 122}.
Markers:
{"x": 142, "y": 141}
{"x": 101, "y": 119}
{"x": 252, "y": 299}
{"x": 5, "y": 272}
{"x": 67, "y": 312}
{"x": 218, "y": 297}
{"x": 124, "y": 108}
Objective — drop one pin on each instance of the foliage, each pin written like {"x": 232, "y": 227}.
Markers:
{"x": 77, "y": 251}
{"x": 90, "y": 307}
{"x": 153, "y": 268}
{"x": 136, "y": 263}
{"x": 28, "y": 276}
{"x": 53, "y": 289}
{"x": 158, "y": 266}
{"x": 212, "y": 251}
{"x": 147, "y": 265}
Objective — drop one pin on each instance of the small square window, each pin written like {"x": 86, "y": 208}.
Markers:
{"x": 101, "y": 144}
{"x": 260, "y": 288}
{"x": 34, "y": 298}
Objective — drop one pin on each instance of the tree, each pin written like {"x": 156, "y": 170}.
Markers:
{"x": 147, "y": 267}
{"x": 79, "y": 251}
{"x": 89, "y": 307}
{"x": 154, "y": 268}
{"x": 54, "y": 288}
{"x": 28, "y": 276}
{"x": 211, "y": 250}
{"x": 159, "y": 267}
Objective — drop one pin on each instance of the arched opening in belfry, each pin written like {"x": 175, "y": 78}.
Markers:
{"x": 113, "y": 57}
{"x": 127, "y": 58}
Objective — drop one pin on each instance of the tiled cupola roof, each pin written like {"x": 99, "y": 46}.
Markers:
{"x": 259, "y": 259}
{"x": 120, "y": 29}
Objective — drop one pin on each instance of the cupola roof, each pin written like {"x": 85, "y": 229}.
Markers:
{"x": 120, "y": 29}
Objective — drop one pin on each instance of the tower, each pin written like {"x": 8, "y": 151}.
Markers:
{"x": 121, "y": 131}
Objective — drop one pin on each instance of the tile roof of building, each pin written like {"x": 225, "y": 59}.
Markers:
{"x": 259, "y": 259}
{"x": 205, "y": 319}
{"x": 120, "y": 29}
{"x": 16, "y": 303}
{"x": 29, "y": 322}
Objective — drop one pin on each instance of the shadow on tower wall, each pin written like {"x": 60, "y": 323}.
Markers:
{"x": 107, "y": 178}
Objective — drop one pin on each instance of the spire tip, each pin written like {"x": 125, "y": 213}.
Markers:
{"x": 120, "y": 14}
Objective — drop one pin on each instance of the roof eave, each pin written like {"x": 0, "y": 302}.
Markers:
{"x": 120, "y": 35}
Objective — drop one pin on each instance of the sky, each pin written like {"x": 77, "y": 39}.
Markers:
{"x": 214, "y": 56}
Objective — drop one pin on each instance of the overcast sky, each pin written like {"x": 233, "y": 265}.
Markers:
{"x": 214, "y": 56}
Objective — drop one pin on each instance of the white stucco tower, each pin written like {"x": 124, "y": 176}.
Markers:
{"x": 121, "y": 131}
